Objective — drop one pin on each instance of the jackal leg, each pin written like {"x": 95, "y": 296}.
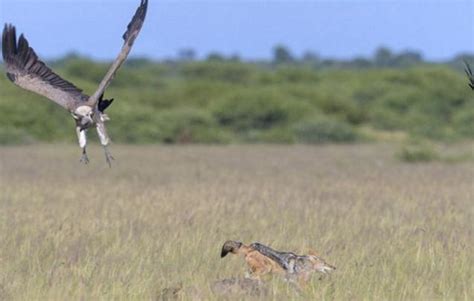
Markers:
{"x": 82, "y": 139}
{"x": 104, "y": 140}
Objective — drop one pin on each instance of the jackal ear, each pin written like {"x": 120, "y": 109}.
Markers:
{"x": 313, "y": 252}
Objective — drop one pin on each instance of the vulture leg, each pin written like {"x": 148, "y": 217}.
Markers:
{"x": 82, "y": 138}
{"x": 104, "y": 140}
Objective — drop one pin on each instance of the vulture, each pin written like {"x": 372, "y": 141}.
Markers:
{"x": 26, "y": 70}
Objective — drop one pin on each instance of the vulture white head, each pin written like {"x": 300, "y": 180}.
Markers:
{"x": 84, "y": 115}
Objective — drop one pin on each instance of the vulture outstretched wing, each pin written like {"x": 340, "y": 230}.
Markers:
{"x": 133, "y": 29}
{"x": 25, "y": 70}
{"x": 469, "y": 75}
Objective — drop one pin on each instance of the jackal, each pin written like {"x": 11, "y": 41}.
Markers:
{"x": 263, "y": 260}
{"x": 258, "y": 264}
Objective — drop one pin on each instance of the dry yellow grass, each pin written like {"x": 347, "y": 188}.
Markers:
{"x": 159, "y": 217}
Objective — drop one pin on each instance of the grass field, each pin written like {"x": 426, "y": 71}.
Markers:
{"x": 158, "y": 218}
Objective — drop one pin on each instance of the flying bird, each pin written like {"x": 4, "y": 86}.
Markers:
{"x": 27, "y": 71}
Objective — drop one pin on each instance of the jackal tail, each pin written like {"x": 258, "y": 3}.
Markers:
{"x": 320, "y": 264}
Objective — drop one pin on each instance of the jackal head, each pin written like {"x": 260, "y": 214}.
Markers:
{"x": 230, "y": 246}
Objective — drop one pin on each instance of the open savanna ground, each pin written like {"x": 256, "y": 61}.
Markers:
{"x": 158, "y": 218}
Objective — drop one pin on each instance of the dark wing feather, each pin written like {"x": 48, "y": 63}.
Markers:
{"x": 104, "y": 103}
{"x": 27, "y": 71}
{"x": 133, "y": 29}
{"x": 469, "y": 75}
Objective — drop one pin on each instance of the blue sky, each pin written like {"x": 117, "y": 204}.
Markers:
{"x": 340, "y": 29}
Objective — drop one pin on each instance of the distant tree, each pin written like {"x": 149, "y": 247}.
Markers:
{"x": 407, "y": 58}
{"x": 281, "y": 55}
{"x": 360, "y": 62}
{"x": 463, "y": 57}
{"x": 138, "y": 62}
{"x": 70, "y": 56}
{"x": 329, "y": 63}
{"x": 235, "y": 58}
{"x": 310, "y": 58}
{"x": 215, "y": 56}
{"x": 459, "y": 61}
{"x": 383, "y": 57}
{"x": 186, "y": 54}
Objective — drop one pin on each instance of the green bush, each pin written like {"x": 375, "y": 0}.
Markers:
{"x": 324, "y": 130}
{"x": 248, "y": 110}
{"x": 278, "y": 135}
{"x": 223, "y": 100}
{"x": 384, "y": 119}
{"x": 184, "y": 125}
{"x": 12, "y": 136}
{"x": 463, "y": 122}
{"x": 417, "y": 152}
{"x": 233, "y": 72}
{"x": 427, "y": 126}
{"x": 180, "y": 125}
{"x": 85, "y": 69}
{"x": 296, "y": 75}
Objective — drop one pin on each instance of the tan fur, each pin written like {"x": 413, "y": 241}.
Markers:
{"x": 258, "y": 264}
{"x": 308, "y": 265}
{"x": 302, "y": 268}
